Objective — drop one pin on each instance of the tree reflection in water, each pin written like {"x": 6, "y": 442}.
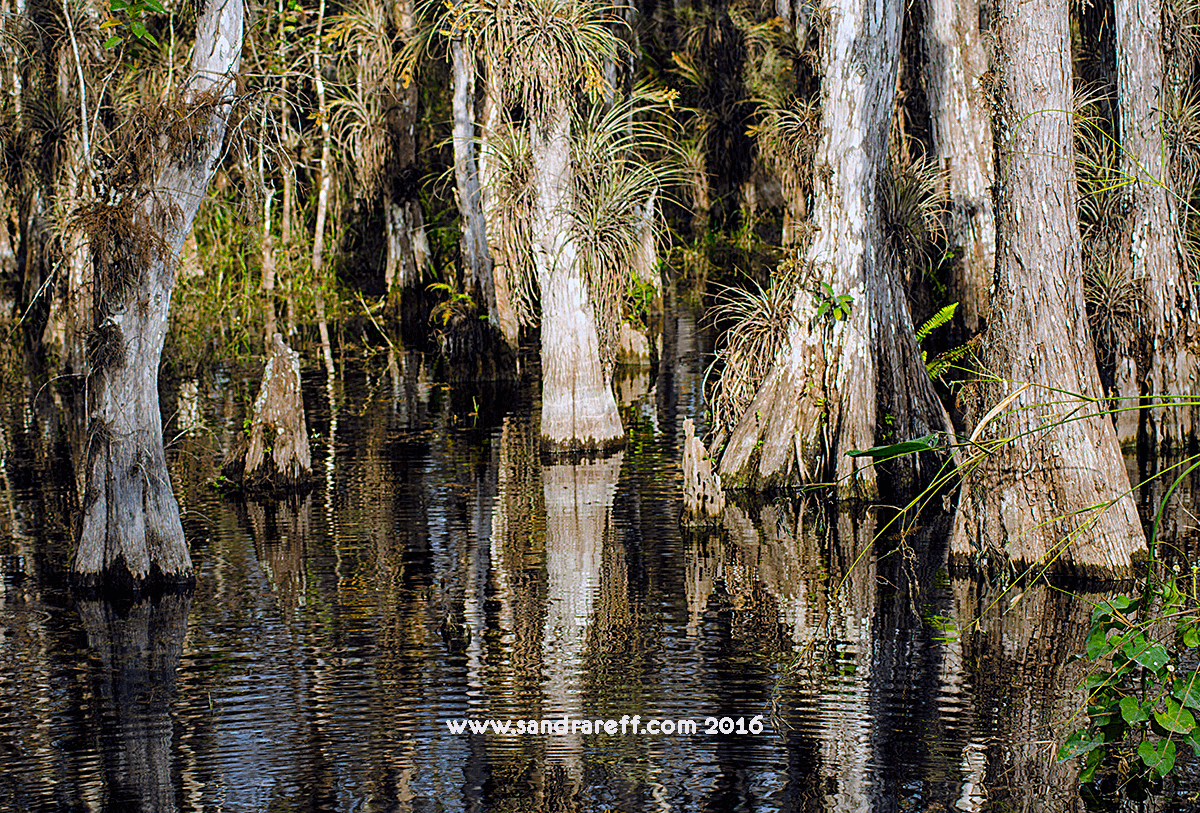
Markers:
{"x": 134, "y": 654}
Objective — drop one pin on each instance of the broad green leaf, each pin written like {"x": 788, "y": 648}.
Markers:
{"x": 1097, "y": 679}
{"x": 1147, "y": 653}
{"x": 1191, "y": 634}
{"x": 1158, "y": 756}
{"x": 1193, "y": 740}
{"x": 1176, "y": 718}
{"x": 138, "y": 29}
{"x": 1081, "y": 742}
{"x": 1091, "y": 764}
{"x": 1132, "y": 711}
{"x": 1110, "y": 607}
{"x": 118, "y": 5}
{"x": 1187, "y": 690}
{"x": 112, "y": 42}
{"x": 155, "y": 6}
{"x": 1098, "y": 644}
{"x": 923, "y": 444}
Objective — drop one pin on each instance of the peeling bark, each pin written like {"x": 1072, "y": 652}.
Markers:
{"x": 275, "y": 455}
{"x": 1021, "y": 499}
{"x": 840, "y": 385}
{"x": 130, "y": 533}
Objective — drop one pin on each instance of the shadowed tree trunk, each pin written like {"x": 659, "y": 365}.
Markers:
{"x": 130, "y": 532}
{"x": 962, "y": 140}
{"x": 1021, "y": 497}
{"x": 1160, "y": 361}
{"x": 837, "y": 380}
{"x": 579, "y": 411}
{"x": 134, "y": 659}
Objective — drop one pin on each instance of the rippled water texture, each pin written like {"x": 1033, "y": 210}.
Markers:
{"x": 443, "y": 571}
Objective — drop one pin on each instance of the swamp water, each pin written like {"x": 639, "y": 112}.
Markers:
{"x": 442, "y": 572}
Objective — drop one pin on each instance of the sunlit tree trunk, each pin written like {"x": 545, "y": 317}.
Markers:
{"x": 579, "y": 411}
{"x": 504, "y": 282}
{"x": 962, "y": 140}
{"x": 1020, "y": 498}
{"x": 476, "y": 258}
{"x": 130, "y": 533}
{"x": 1162, "y": 360}
{"x": 838, "y": 382}
{"x": 318, "y": 250}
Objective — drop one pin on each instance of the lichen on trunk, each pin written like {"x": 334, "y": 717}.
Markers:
{"x": 843, "y": 383}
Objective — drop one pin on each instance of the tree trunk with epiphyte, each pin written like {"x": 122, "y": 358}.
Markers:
{"x": 841, "y": 384}
{"x": 1051, "y": 454}
{"x": 1161, "y": 360}
{"x": 130, "y": 533}
{"x": 955, "y": 62}
{"x": 476, "y": 257}
{"x": 579, "y": 412}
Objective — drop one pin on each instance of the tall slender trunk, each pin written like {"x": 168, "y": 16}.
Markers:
{"x": 1161, "y": 361}
{"x": 407, "y": 247}
{"x": 1021, "y": 499}
{"x": 962, "y": 140}
{"x": 130, "y": 532}
{"x": 504, "y": 282}
{"x": 476, "y": 259}
{"x": 579, "y": 411}
{"x": 837, "y": 382}
{"x": 318, "y": 251}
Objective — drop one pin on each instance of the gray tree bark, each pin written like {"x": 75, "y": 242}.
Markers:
{"x": 837, "y": 382}
{"x": 579, "y": 412}
{"x": 1160, "y": 362}
{"x": 962, "y": 140}
{"x": 275, "y": 455}
{"x": 1055, "y": 454}
{"x": 476, "y": 258}
{"x": 130, "y": 533}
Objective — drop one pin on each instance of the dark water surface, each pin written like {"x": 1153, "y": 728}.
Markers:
{"x": 442, "y": 571}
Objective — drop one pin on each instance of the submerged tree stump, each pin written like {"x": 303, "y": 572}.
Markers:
{"x": 274, "y": 453}
{"x": 703, "y": 497}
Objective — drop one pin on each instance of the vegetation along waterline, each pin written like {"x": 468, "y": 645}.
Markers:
{"x": 946, "y": 252}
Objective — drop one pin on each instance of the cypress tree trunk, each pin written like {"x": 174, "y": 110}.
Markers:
{"x": 579, "y": 411}
{"x": 476, "y": 259}
{"x": 962, "y": 140}
{"x": 1019, "y": 499}
{"x": 130, "y": 533}
{"x": 1161, "y": 360}
{"x": 838, "y": 382}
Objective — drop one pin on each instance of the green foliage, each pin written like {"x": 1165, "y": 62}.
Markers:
{"x": 134, "y": 14}
{"x": 1140, "y": 698}
{"x": 830, "y": 306}
{"x": 456, "y": 307}
{"x": 640, "y": 296}
{"x": 940, "y": 318}
{"x": 944, "y": 361}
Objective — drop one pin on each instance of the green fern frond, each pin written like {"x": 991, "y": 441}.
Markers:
{"x": 937, "y": 320}
{"x": 938, "y": 367}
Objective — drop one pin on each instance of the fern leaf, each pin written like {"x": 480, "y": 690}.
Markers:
{"x": 938, "y": 367}
{"x": 937, "y": 320}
